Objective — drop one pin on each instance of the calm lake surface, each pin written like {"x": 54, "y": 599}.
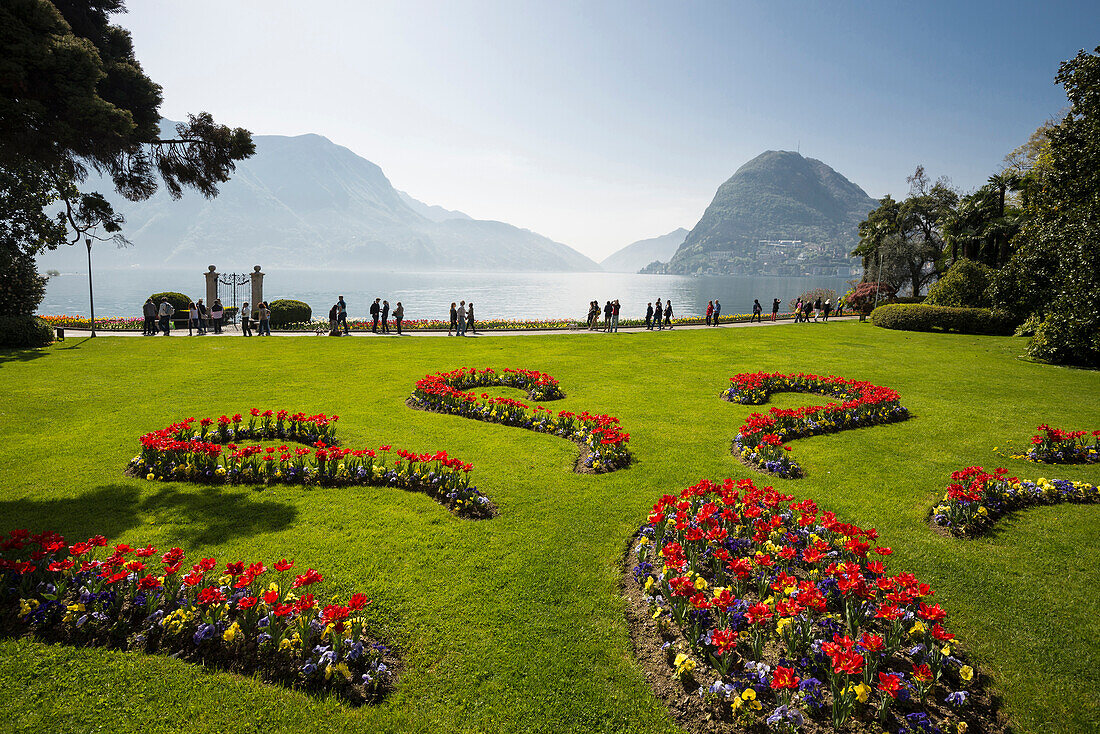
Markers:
{"x": 429, "y": 295}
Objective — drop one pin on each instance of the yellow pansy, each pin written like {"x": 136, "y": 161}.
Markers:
{"x": 966, "y": 673}
{"x": 917, "y": 628}
{"x": 862, "y": 692}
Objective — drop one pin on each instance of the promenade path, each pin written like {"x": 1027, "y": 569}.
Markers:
{"x": 232, "y": 332}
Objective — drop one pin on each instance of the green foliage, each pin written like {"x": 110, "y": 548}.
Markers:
{"x": 1054, "y": 273}
{"x": 21, "y": 287}
{"x": 964, "y": 285}
{"x": 287, "y": 311}
{"x": 179, "y": 301}
{"x": 919, "y": 317}
{"x": 24, "y": 331}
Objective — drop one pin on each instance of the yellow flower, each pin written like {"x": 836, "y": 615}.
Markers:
{"x": 966, "y": 673}
{"x": 231, "y": 634}
{"x": 962, "y": 727}
{"x": 648, "y": 583}
{"x": 946, "y": 650}
{"x": 917, "y": 628}
{"x": 862, "y": 691}
{"x": 700, "y": 582}
{"x": 748, "y": 694}
{"x": 285, "y": 644}
{"x": 782, "y": 624}
{"x": 150, "y": 476}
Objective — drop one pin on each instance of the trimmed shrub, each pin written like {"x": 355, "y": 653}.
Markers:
{"x": 21, "y": 288}
{"x": 964, "y": 285}
{"x": 286, "y": 311}
{"x": 24, "y": 331}
{"x": 919, "y": 317}
{"x": 908, "y": 299}
{"x": 179, "y": 301}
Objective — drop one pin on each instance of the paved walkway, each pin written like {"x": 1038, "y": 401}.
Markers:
{"x": 82, "y": 333}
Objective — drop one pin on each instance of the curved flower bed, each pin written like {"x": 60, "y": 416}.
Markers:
{"x": 1055, "y": 446}
{"x": 602, "y": 441}
{"x": 760, "y": 442}
{"x": 238, "y": 616}
{"x": 207, "y": 453}
{"x": 975, "y": 498}
{"x": 786, "y": 617}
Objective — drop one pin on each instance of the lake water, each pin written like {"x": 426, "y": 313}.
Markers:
{"x": 429, "y": 295}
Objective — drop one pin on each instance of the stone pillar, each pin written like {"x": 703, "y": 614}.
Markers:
{"x": 211, "y": 285}
{"x": 257, "y": 287}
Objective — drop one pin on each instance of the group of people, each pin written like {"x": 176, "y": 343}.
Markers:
{"x": 714, "y": 312}
{"x": 200, "y": 319}
{"x": 654, "y": 314}
{"x": 462, "y": 318}
{"x": 804, "y": 309}
{"x": 610, "y": 316}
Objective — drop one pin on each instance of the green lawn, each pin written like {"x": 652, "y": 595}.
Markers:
{"x": 516, "y": 623}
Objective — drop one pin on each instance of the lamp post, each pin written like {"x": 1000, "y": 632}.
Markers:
{"x": 91, "y": 298}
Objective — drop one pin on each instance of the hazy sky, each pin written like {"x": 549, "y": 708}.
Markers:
{"x": 600, "y": 123}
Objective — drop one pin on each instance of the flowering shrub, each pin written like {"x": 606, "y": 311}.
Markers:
{"x": 976, "y": 498}
{"x": 601, "y": 435}
{"x": 759, "y": 443}
{"x": 787, "y": 616}
{"x": 243, "y": 617}
{"x": 1055, "y": 446}
{"x": 207, "y": 453}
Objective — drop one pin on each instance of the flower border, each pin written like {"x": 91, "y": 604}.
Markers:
{"x": 182, "y": 452}
{"x": 759, "y": 443}
{"x": 975, "y": 498}
{"x": 603, "y": 443}
{"x": 238, "y": 616}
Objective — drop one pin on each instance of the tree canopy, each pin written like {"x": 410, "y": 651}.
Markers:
{"x": 74, "y": 98}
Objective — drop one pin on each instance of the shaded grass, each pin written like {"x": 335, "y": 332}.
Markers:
{"x": 515, "y": 624}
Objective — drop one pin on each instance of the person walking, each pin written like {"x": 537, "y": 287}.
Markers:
{"x": 710, "y": 311}
{"x": 615, "y": 315}
{"x": 333, "y": 320}
{"x": 149, "y": 311}
{"x": 216, "y": 315}
{"x": 817, "y": 308}
{"x": 798, "y": 310}
{"x": 342, "y": 314}
{"x": 374, "y": 311}
{"x": 775, "y": 308}
{"x": 454, "y": 319}
{"x": 756, "y": 310}
{"x": 398, "y": 315}
{"x": 717, "y": 311}
{"x": 201, "y": 308}
{"x": 593, "y": 314}
{"x": 649, "y": 316}
{"x": 607, "y": 317}
{"x": 807, "y": 309}
{"x": 385, "y": 317}
{"x": 828, "y": 309}
{"x": 668, "y": 313}
{"x": 461, "y": 319}
{"x": 192, "y": 318}
{"x": 165, "y": 312}
{"x": 470, "y": 326}
{"x": 246, "y": 322}
{"x": 264, "y": 313}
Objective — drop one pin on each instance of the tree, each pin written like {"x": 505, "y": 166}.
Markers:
{"x": 1054, "y": 275}
{"x": 73, "y": 97}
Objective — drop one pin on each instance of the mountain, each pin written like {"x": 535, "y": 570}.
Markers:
{"x": 306, "y": 202}
{"x": 637, "y": 255}
{"x": 778, "y": 214}
{"x": 428, "y": 211}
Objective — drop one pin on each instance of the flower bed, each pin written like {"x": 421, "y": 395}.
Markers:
{"x": 975, "y": 498}
{"x": 781, "y": 616}
{"x": 759, "y": 443}
{"x": 209, "y": 454}
{"x": 240, "y": 617}
{"x": 1055, "y": 446}
{"x": 603, "y": 443}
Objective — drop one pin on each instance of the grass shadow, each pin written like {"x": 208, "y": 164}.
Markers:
{"x": 109, "y": 510}
{"x": 216, "y": 515}
{"x": 21, "y": 355}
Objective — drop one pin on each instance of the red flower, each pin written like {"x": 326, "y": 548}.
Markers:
{"x": 871, "y": 642}
{"x": 758, "y": 614}
{"x": 931, "y": 613}
{"x": 284, "y": 565}
{"x": 922, "y": 673}
{"x": 305, "y": 603}
{"x": 247, "y": 602}
{"x": 890, "y": 684}
{"x": 358, "y": 601}
{"x": 784, "y": 678}
{"x": 149, "y": 583}
{"x": 306, "y": 579}
{"x": 725, "y": 640}
{"x": 848, "y": 663}
{"x": 271, "y": 597}
{"x": 235, "y": 569}
{"x": 192, "y": 579}
{"x": 210, "y": 595}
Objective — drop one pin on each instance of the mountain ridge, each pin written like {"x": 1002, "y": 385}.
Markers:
{"x": 637, "y": 255}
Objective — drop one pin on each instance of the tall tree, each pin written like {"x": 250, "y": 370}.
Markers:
{"x": 1054, "y": 274}
{"x": 74, "y": 98}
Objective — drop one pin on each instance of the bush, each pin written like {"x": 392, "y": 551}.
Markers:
{"x": 179, "y": 301}
{"x": 919, "y": 317}
{"x": 286, "y": 311}
{"x": 908, "y": 299}
{"x": 22, "y": 288}
{"x": 24, "y": 331}
{"x": 964, "y": 285}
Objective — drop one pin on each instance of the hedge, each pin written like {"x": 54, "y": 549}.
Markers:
{"x": 24, "y": 331}
{"x": 179, "y": 301}
{"x": 286, "y": 311}
{"x": 919, "y": 317}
